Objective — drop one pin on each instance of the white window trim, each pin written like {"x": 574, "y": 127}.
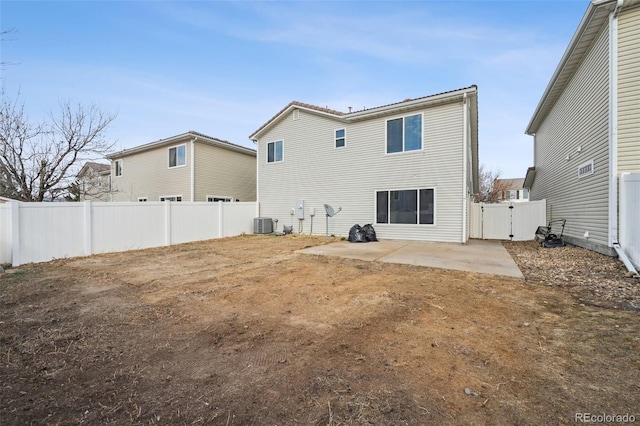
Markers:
{"x": 421, "y": 225}
{"x": 177, "y": 166}
{"x": 115, "y": 167}
{"x": 211, "y": 197}
{"x": 585, "y": 164}
{"x": 335, "y": 138}
{"x": 296, "y": 114}
{"x": 170, "y": 196}
{"x": 267, "y": 152}
{"x": 421, "y": 114}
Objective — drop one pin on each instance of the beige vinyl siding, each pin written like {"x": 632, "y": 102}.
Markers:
{"x": 578, "y": 119}
{"x": 315, "y": 171}
{"x": 147, "y": 174}
{"x": 629, "y": 91}
{"x": 223, "y": 172}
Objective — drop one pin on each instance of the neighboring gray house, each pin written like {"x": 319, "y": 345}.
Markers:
{"x": 409, "y": 168}
{"x": 94, "y": 180}
{"x": 586, "y": 128}
{"x": 187, "y": 167}
{"x": 512, "y": 190}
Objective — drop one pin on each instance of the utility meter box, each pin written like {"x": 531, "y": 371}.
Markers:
{"x": 300, "y": 209}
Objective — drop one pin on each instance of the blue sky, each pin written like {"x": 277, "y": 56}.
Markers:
{"x": 224, "y": 68}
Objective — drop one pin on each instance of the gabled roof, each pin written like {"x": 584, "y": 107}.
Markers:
{"x": 596, "y": 16}
{"x": 367, "y": 113}
{"x": 95, "y": 168}
{"x": 516, "y": 183}
{"x": 529, "y": 178}
{"x": 188, "y": 136}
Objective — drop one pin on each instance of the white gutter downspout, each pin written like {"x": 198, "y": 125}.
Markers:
{"x": 613, "y": 124}
{"x": 613, "y": 139}
{"x": 193, "y": 168}
{"x": 465, "y": 121}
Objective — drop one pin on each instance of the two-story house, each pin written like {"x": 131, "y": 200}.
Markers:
{"x": 409, "y": 168}
{"x": 586, "y": 131}
{"x": 187, "y": 167}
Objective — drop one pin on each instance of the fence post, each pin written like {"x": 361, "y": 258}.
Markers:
{"x": 167, "y": 221}
{"x": 88, "y": 236}
{"x": 15, "y": 233}
{"x": 220, "y": 219}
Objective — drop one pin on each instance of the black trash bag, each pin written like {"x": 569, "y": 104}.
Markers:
{"x": 357, "y": 235}
{"x": 369, "y": 232}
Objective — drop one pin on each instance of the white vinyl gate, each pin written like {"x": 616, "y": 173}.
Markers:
{"x": 507, "y": 221}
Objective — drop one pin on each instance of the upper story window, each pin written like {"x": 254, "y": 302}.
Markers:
{"x": 177, "y": 156}
{"x": 118, "y": 166}
{"x": 404, "y": 134}
{"x": 341, "y": 138}
{"x": 274, "y": 151}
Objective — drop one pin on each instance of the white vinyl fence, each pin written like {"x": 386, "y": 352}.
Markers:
{"x": 39, "y": 232}
{"x": 507, "y": 221}
{"x": 629, "y": 216}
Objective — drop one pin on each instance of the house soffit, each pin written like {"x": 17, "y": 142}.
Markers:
{"x": 596, "y": 17}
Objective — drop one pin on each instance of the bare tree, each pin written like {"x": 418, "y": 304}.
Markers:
{"x": 39, "y": 162}
{"x": 491, "y": 187}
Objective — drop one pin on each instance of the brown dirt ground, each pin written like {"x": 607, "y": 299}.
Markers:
{"x": 245, "y": 330}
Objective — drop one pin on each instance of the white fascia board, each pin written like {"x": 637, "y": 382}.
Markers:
{"x": 256, "y": 136}
{"x": 180, "y": 138}
{"x": 576, "y": 40}
{"x": 411, "y": 104}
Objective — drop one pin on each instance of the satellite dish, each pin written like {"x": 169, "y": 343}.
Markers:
{"x": 330, "y": 213}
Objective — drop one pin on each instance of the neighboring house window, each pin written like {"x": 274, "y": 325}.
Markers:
{"x": 143, "y": 199}
{"x": 412, "y": 206}
{"x": 585, "y": 169}
{"x": 177, "y": 156}
{"x": 274, "y": 151}
{"x": 340, "y": 138}
{"x": 215, "y": 199}
{"x": 404, "y": 134}
{"x": 171, "y": 198}
{"x": 118, "y": 167}
{"x": 525, "y": 193}
{"x": 296, "y": 114}
{"x": 513, "y": 194}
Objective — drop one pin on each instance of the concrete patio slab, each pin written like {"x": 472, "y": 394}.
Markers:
{"x": 483, "y": 256}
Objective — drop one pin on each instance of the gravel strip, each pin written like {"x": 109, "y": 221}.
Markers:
{"x": 592, "y": 278}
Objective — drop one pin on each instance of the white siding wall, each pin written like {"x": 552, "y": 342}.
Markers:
{"x": 629, "y": 91}
{"x": 224, "y": 172}
{"x": 317, "y": 172}
{"x": 578, "y": 119}
{"x": 147, "y": 174}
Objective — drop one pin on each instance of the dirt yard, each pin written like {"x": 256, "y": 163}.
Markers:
{"x": 245, "y": 330}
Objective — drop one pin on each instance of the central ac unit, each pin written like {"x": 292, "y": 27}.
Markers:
{"x": 262, "y": 225}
